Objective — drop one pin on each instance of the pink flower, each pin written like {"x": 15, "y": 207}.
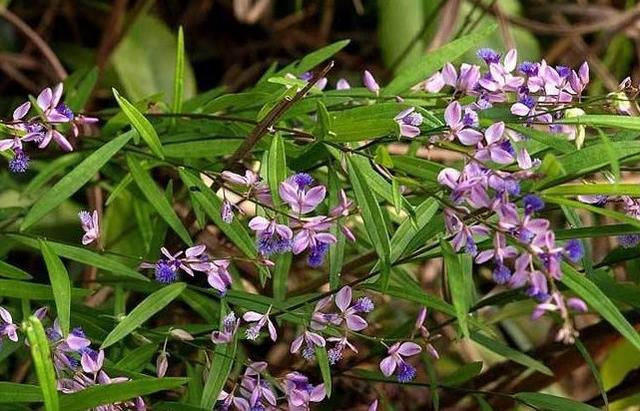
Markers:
{"x": 460, "y": 126}
{"x": 260, "y": 320}
{"x": 8, "y": 328}
{"x": 395, "y": 360}
{"x": 90, "y": 226}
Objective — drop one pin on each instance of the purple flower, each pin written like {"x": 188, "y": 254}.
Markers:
{"x": 313, "y": 236}
{"x": 488, "y": 55}
{"x": 92, "y": 361}
{"x": 260, "y": 321}
{"x": 229, "y": 399}
{"x": 252, "y": 182}
{"x": 496, "y": 147}
{"x": 370, "y": 82}
{"x": 256, "y": 388}
{"x": 532, "y": 204}
{"x": 20, "y": 162}
{"x": 300, "y": 393}
{"x": 227, "y": 212}
{"x": 458, "y": 128}
{"x": 342, "y": 84}
{"x": 310, "y": 340}
{"x": 218, "y": 276}
{"x": 229, "y": 327}
{"x": 409, "y": 121}
{"x": 364, "y": 305}
{"x": 7, "y": 327}
{"x": 273, "y": 238}
{"x": 89, "y": 222}
{"x": 628, "y": 240}
{"x": 573, "y": 250}
{"x": 317, "y": 254}
{"x": 349, "y": 314}
{"x": 301, "y": 200}
{"x": 335, "y": 354}
{"x": 396, "y": 361}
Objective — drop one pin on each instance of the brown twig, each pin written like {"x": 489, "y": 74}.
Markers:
{"x": 44, "y": 48}
{"x": 272, "y": 117}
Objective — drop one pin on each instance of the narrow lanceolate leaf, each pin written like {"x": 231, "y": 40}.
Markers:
{"x": 31, "y": 291}
{"x": 140, "y": 124}
{"x": 41, "y": 355}
{"x": 594, "y": 370}
{"x": 178, "y": 79}
{"x": 598, "y": 301}
{"x": 551, "y": 402}
{"x": 9, "y": 271}
{"x": 277, "y": 173}
{"x": 211, "y": 203}
{"x": 373, "y": 219}
{"x": 96, "y": 395}
{"x": 61, "y": 285}
{"x": 221, "y": 365}
{"x": 14, "y": 392}
{"x": 83, "y": 255}
{"x": 325, "y": 369}
{"x": 605, "y": 120}
{"x": 585, "y": 189}
{"x": 508, "y": 352}
{"x": 460, "y": 283}
{"x": 73, "y": 181}
{"x": 434, "y": 61}
{"x": 156, "y": 198}
{"x": 143, "y": 311}
{"x": 336, "y": 251}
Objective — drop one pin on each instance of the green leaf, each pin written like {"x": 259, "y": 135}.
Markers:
{"x": 375, "y": 225}
{"x": 73, "y": 181}
{"x": 583, "y": 189}
{"x": 178, "y": 78}
{"x": 598, "y": 210}
{"x": 276, "y": 167}
{"x": 140, "y": 124}
{"x": 212, "y": 205}
{"x": 460, "y": 282}
{"x": 325, "y": 369}
{"x": 60, "y": 284}
{"x": 434, "y": 61}
{"x": 78, "y": 94}
{"x": 604, "y": 120}
{"x": 551, "y": 402}
{"x": 463, "y": 374}
{"x": 13, "y": 392}
{"x": 221, "y": 365}
{"x": 210, "y": 148}
{"x": 414, "y": 234}
{"x": 314, "y": 58}
{"x": 508, "y": 352}
{"x": 157, "y": 199}
{"x": 9, "y": 271}
{"x": 597, "y": 300}
{"x": 41, "y": 355}
{"x": 336, "y": 251}
{"x": 556, "y": 141}
{"x": 31, "y": 291}
{"x": 594, "y": 370}
{"x": 144, "y": 60}
{"x": 50, "y": 171}
{"x": 135, "y": 360}
{"x": 84, "y": 256}
{"x": 96, "y": 395}
{"x": 143, "y": 311}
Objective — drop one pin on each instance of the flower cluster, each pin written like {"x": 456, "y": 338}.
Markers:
{"x": 77, "y": 365}
{"x": 297, "y": 231}
{"x": 255, "y": 393}
{"x": 484, "y": 185}
{"x": 52, "y": 118}
{"x": 189, "y": 261}
{"x": 348, "y": 318}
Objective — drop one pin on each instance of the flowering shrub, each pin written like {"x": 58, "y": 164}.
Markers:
{"x": 261, "y": 250}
